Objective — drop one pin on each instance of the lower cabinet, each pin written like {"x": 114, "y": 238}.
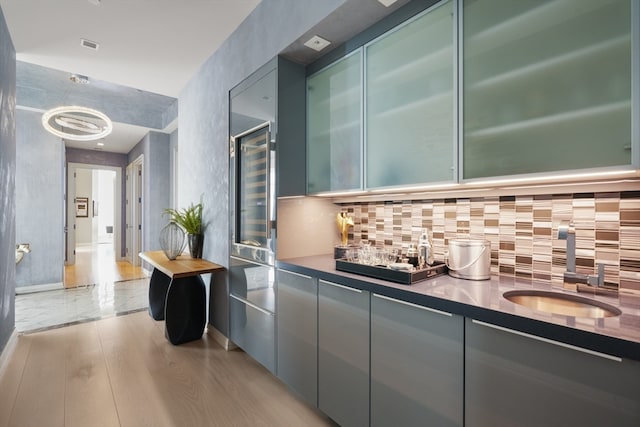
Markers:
{"x": 253, "y": 329}
{"x": 417, "y": 359}
{"x": 343, "y": 353}
{"x": 515, "y": 379}
{"x": 297, "y": 332}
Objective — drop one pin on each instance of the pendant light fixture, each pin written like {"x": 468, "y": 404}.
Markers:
{"x": 77, "y": 123}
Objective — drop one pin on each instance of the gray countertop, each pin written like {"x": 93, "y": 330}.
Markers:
{"x": 482, "y": 300}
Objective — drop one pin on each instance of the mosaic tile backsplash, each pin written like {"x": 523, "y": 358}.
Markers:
{"x": 523, "y": 231}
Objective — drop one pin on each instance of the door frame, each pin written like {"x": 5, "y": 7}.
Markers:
{"x": 71, "y": 210}
{"x": 135, "y": 201}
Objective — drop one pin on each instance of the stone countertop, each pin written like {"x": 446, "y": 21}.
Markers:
{"x": 482, "y": 300}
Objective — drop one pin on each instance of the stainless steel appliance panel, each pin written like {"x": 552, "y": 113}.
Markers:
{"x": 252, "y": 185}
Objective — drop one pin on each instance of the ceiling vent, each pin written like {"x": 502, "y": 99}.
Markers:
{"x": 79, "y": 78}
{"x": 89, "y": 44}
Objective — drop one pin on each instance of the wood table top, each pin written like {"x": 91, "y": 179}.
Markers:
{"x": 183, "y": 266}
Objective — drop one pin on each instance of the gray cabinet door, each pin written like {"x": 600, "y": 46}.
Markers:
{"x": 547, "y": 86}
{"x": 514, "y": 379}
{"x": 334, "y": 126}
{"x": 297, "y": 332}
{"x": 343, "y": 354}
{"x": 253, "y": 330}
{"x": 409, "y": 102}
{"x": 417, "y": 358}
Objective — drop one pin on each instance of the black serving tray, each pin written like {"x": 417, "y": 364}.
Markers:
{"x": 385, "y": 273}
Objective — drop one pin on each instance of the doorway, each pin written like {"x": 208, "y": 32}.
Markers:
{"x": 93, "y": 240}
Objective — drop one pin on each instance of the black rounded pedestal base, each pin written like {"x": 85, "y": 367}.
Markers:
{"x": 158, "y": 286}
{"x": 185, "y": 310}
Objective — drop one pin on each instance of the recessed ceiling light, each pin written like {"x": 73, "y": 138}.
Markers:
{"x": 387, "y": 3}
{"x": 100, "y": 144}
{"x": 317, "y": 43}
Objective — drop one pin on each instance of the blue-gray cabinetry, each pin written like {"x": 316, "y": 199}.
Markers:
{"x": 417, "y": 357}
{"x": 515, "y": 379}
{"x": 297, "y": 332}
{"x": 275, "y": 93}
{"x": 343, "y": 353}
{"x": 409, "y": 99}
{"x": 252, "y": 310}
{"x": 334, "y": 126}
{"x": 547, "y": 86}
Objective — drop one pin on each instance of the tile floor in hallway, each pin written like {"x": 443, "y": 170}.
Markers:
{"x": 62, "y": 307}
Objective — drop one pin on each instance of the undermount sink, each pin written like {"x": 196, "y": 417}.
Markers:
{"x": 559, "y": 303}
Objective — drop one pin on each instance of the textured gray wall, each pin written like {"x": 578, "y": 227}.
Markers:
{"x": 156, "y": 190}
{"x": 173, "y": 146}
{"x": 204, "y": 117}
{"x": 103, "y": 158}
{"x": 7, "y": 183}
{"x": 39, "y": 201}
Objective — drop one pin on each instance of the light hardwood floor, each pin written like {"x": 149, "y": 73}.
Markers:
{"x": 122, "y": 371}
{"x": 96, "y": 264}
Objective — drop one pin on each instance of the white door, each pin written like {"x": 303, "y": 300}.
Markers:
{"x": 131, "y": 255}
{"x": 71, "y": 216}
{"x": 134, "y": 210}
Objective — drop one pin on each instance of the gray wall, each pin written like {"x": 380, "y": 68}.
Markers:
{"x": 173, "y": 174}
{"x": 155, "y": 169}
{"x": 203, "y": 120}
{"x": 103, "y": 158}
{"x": 7, "y": 182}
{"x": 39, "y": 201}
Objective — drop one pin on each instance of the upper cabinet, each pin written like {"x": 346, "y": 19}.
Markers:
{"x": 275, "y": 94}
{"x": 466, "y": 90}
{"x": 334, "y": 126}
{"x": 547, "y": 86}
{"x": 409, "y": 108}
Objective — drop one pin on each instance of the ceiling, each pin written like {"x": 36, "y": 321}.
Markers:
{"x": 153, "y": 46}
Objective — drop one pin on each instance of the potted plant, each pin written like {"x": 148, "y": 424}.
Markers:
{"x": 190, "y": 219}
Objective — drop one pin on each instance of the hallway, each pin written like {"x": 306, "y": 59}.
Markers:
{"x": 96, "y": 286}
{"x": 95, "y": 264}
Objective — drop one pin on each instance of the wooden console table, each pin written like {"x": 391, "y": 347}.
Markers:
{"x": 177, "y": 294}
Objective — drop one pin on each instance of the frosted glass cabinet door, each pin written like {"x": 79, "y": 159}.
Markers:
{"x": 409, "y": 107}
{"x": 334, "y": 110}
{"x": 547, "y": 85}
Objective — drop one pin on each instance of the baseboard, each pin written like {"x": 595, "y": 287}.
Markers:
{"x": 39, "y": 288}
{"x": 220, "y": 338}
{"x": 8, "y": 349}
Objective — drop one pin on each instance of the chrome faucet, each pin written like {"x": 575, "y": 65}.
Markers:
{"x": 568, "y": 232}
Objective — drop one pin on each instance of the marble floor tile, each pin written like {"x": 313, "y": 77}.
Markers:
{"x": 43, "y": 310}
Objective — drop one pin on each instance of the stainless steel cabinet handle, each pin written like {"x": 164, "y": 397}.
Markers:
{"x": 359, "y": 291}
{"x": 250, "y": 261}
{"x": 244, "y": 301}
{"x": 432, "y": 310}
{"x": 548, "y": 341}
{"x": 295, "y": 274}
